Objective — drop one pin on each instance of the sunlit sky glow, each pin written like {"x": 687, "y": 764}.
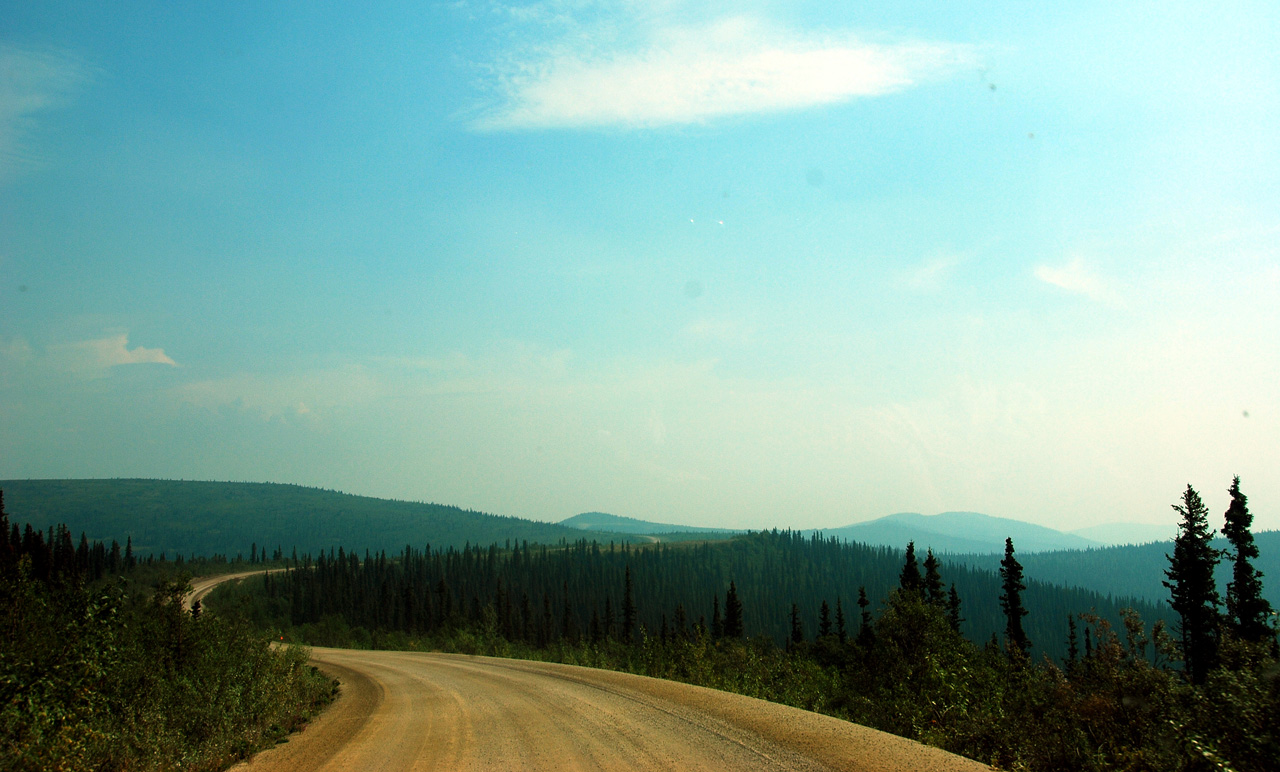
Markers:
{"x": 745, "y": 264}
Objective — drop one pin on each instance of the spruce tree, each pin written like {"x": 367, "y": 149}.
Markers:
{"x": 1011, "y": 600}
{"x": 824, "y": 620}
{"x": 1247, "y": 610}
{"x": 909, "y": 579}
{"x": 933, "y": 581}
{"x": 1073, "y": 649}
{"x": 732, "y": 613}
{"x": 797, "y": 627}
{"x": 1193, "y": 594}
{"x": 866, "y": 633}
{"x": 841, "y": 633}
{"x": 628, "y": 610}
{"x": 953, "y": 609}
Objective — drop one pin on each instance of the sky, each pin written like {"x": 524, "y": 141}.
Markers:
{"x": 752, "y": 264}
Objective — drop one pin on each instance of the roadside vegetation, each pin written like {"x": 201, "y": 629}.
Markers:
{"x": 102, "y": 668}
{"x": 1116, "y": 693}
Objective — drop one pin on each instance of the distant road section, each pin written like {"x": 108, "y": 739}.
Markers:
{"x": 204, "y": 585}
{"x": 414, "y": 711}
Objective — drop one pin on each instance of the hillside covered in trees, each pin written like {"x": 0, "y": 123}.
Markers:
{"x": 174, "y": 517}
{"x": 674, "y": 586}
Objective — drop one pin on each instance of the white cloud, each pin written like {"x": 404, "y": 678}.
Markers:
{"x": 1076, "y": 277}
{"x": 31, "y": 82}
{"x": 681, "y": 75}
{"x": 933, "y": 273}
{"x": 94, "y": 358}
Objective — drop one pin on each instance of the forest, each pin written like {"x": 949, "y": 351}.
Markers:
{"x": 980, "y": 664}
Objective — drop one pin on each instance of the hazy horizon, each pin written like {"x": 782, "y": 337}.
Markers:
{"x": 743, "y": 265}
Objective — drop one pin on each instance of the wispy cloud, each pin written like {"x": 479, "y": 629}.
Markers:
{"x": 691, "y": 74}
{"x": 1079, "y": 278}
{"x": 94, "y": 358}
{"x": 31, "y": 82}
{"x": 933, "y": 273}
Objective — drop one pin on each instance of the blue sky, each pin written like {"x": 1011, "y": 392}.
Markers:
{"x": 742, "y": 264}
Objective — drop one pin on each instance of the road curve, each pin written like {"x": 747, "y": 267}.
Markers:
{"x": 204, "y": 585}
{"x": 419, "y": 711}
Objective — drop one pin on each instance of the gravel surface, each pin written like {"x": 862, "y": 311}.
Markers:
{"x": 414, "y": 711}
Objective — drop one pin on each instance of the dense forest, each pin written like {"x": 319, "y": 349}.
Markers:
{"x": 869, "y": 635}
{"x": 176, "y": 517}
{"x": 101, "y": 669}
{"x": 673, "y": 585}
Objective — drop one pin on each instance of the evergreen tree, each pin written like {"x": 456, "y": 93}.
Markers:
{"x": 933, "y": 581}
{"x": 824, "y": 620}
{"x": 1247, "y": 610}
{"x": 953, "y": 609}
{"x": 797, "y": 627}
{"x": 1011, "y": 600}
{"x": 628, "y": 610}
{"x": 732, "y": 613}
{"x": 1073, "y": 651}
{"x": 717, "y": 622}
{"x": 841, "y": 633}
{"x": 866, "y": 633}
{"x": 910, "y": 579}
{"x": 1193, "y": 594}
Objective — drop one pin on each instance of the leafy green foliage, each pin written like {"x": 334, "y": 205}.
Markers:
{"x": 108, "y": 676}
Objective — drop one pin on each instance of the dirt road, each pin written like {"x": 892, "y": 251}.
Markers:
{"x": 204, "y": 585}
{"x": 410, "y": 711}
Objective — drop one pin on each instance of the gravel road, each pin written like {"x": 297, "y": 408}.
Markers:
{"x": 414, "y": 711}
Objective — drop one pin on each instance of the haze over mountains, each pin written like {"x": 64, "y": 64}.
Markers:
{"x": 602, "y": 521}
{"x": 950, "y": 532}
{"x": 205, "y": 518}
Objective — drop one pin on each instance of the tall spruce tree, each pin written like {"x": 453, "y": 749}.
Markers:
{"x": 1247, "y": 610}
{"x": 797, "y": 627}
{"x": 866, "y": 632}
{"x": 1193, "y": 594}
{"x": 824, "y": 620}
{"x": 628, "y": 610}
{"x": 909, "y": 579}
{"x": 1011, "y": 600}
{"x": 953, "y": 609}
{"x": 732, "y": 613}
{"x": 933, "y": 581}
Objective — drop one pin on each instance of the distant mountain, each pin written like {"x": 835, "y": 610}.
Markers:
{"x": 958, "y": 532}
{"x": 1128, "y": 533}
{"x": 602, "y": 521}
{"x": 205, "y": 518}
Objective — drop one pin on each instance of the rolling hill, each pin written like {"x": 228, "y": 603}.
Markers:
{"x": 601, "y": 521}
{"x": 1134, "y": 570}
{"x": 958, "y": 532}
{"x": 204, "y": 518}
